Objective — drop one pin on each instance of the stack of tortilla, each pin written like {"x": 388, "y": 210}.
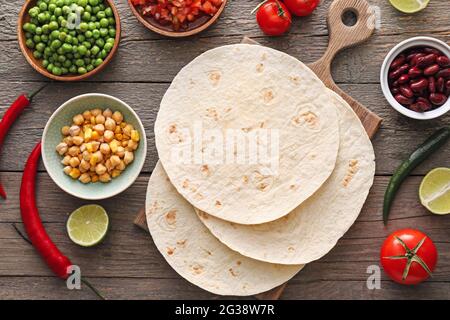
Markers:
{"x": 227, "y": 218}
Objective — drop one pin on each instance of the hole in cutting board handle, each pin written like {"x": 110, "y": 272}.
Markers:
{"x": 349, "y": 17}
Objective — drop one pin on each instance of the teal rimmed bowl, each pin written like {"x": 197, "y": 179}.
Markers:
{"x": 52, "y": 137}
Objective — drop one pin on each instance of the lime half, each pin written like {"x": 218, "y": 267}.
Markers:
{"x": 434, "y": 191}
{"x": 409, "y": 6}
{"x": 88, "y": 225}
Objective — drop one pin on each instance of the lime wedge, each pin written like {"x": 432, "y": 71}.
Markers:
{"x": 88, "y": 225}
{"x": 409, "y": 6}
{"x": 434, "y": 191}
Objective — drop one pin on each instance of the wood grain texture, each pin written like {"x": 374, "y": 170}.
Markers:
{"x": 127, "y": 265}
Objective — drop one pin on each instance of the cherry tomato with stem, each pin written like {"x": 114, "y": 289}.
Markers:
{"x": 408, "y": 256}
{"x": 273, "y": 17}
{"x": 301, "y": 8}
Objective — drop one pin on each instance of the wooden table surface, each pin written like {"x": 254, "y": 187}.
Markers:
{"x": 127, "y": 265}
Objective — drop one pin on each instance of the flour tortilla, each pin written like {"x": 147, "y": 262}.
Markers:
{"x": 196, "y": 254}
{"x": 246, "y": 88}
{"x": 312, "y": 229}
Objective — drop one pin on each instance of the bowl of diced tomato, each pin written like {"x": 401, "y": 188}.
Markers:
{"x": 177, "y": 18}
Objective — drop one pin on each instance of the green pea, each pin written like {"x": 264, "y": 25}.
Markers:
{"x": 68, "y": 39}
{"x": 60, "y": 51}
{"x": 53, "y": 25}
{"x": 96, "y": 33}
{"x": 75, "y": 41}
{"x": 38, "y": 31}
{"x": 55, "y": 44}
{"x": 66, "y": 10}
{"x": 101, "y": 14}
{"x": 62, "y": 58}
{"x": 69, "y": 56}
{"x": 76, "y": 55}
{"x": 73, "y": 69}
{"x": 33, "y": 12}
{"x": 93, "y": 2}
{"x": 112, "y": 32}
{"x": 62, "y": 36}
{"x": 28, "y": 35}
{"x": 93, "y": 19}
{"x": 45, "y": 63}
{"x": 50, "y": 67}
{"x": 42, "y": 6}
{"x": 48, "y": 51}
{"x": 91, "y": 26}
{"x": 109, "y": 12}
{"x": 88, "y": 34}
{"x": 79, "y": 62}
{"x": 60, "y": 3}
{"x": 98, "y": 62}
{"x": 95, "y": 50}
{"x": 26, "y": 26}
{"x": 56, "y": 71}
{"x": 108, "y": 46}
{"x": 58, "y": 12}
{"x": 37, "y": 54}
{"x": 87, "y": 44}
{"x": 89, "y": 67}
{"x": 103, "y": 54}
{"x": 87, "y": 61}
{"x": 67, "y": 47}
{"x": 29, "y": 43}
{"x": 86, "y": 16}
{"x": 111, "y": 21}
{"x": 57, "y": 64}
{"x": 104, "y": 23}
{"x": 82, "y": 70}
{"x": 45, "y": 29}
{"x": 82, "y": 50}
{"x": 100, "y": 42}
{"x": 88, "y": 8}
{"x": 51, "y": 7}
{"x": 95, "y": 10}
{"x": 54, "y": 35}
{"x": 44, "y": 38}
{"x": 104, "y": 32}
{"x": 110, "y": 40}
{"x": 42, "y": 18}
{"x": 82, "y": 3}
{"x": 40, "y": 47}
{"x": 64, "y": 70}
{"x": 67, "y": 63}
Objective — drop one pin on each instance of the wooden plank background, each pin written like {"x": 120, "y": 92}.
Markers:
{"x": 127, "y": 265}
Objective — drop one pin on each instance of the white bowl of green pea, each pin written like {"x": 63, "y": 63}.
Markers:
{"x": 69, "y": 40}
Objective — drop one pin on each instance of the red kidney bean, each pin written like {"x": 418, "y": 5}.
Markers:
{"x": 432, "y": 84}
{"x": 438, "y": 98}
{"x": 415, "y": 107}
{"x": 395, "y": 91}
{"x": 426, "y": 61}
{"x": 419, "y": 85}
{"x": 431, "y": 70}
{"x": 443, "y": 61}
{"x": 397, "y": 62}
{"x": 444, "y": 73}
{"x": 431, "y": 50}
{"x": 440, "y": 84}
{"x": 398, "y": 72}
{"x": 424, "y": 103}
{"x": 416, "y": 56}
{"x": 403, "y": 100}
{"x": 447, "y": 84}
{"x": 404, "y": 78}
{"x": 406, "y": 91}
{"x": 395, "y": 84}
{"x": 414, "y": 72}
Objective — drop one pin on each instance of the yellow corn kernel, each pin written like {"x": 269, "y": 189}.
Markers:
{"x": 119, "y": 136}
{"x": 94, "y": 178}
{"x": 89, "y": 147}
{"x": 88, "y": 134}
{"x": 93, "y": 120}
{"x": 135, "y": 135}
{"x": 123, "y": 124}
{"x": 114, "y": 145}
{"x": 94, "y": 160}
{"x": 124, "y": 143}
{"x": 75, "y": 173}
{"x": 95, "y": 135}
{"x": 118, "y": 130}
{"x": 115, "y": 173}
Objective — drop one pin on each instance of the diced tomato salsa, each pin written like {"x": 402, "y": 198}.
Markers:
{"x": 177, "y": 13}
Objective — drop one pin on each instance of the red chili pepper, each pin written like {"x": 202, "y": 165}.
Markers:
{"x": 10, "y": 117}
{"x": 32, "y": 221}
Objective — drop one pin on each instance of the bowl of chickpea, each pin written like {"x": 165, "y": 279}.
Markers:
{"x": 94, "y": 146}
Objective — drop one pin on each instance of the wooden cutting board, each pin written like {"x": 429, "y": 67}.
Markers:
{"x": 340, "y": 37}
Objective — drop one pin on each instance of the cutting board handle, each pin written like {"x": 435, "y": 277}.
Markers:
{"x": 342, "y": 36}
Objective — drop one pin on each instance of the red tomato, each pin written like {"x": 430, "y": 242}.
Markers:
{"x": 301, "y": 8}
{"x": 273, "y": 18}
{"x": 408, "y": 247}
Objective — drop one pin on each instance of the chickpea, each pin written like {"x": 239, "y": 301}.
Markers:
{"x": 108, "y": 136}
{"x": 115, "y": 173}
{"x": 78, "y": 120}
{"x": 74, "y": 131}
{"x": 87, "y": 115}
{"x": 110, "y": 124}
{"x": 85, "y": 178}
{"x": 104, "y": 148}
{"x": 62, "y": 148}
{"x": 95, "y": 146}
{"x": 132, "y": 145}
{"x": 85, "y": 165}
{"x": 74, "y": 162}
{"x": 107, "y": 113}
{"x": 77, "y": 140}
{"x": 127, "y": 130}
{"x": 65, "y": 160}
{"x": 65, "y": 130}
{"x": 105, "y": 178}
{"x": 120, "y": 152}
{"x": 100, "y": 119}
{"x": 86, "y": 155}
{"x": 94, "y": 178}
{"x": 128, "y": 158}
{"x": 82, "y": 148}
{"x": 75, "y": 173}
{"x": 74, "y": 151}
{"x": 100, "y": 169}
{"x": 117, "y": 117}
{"x": 108, "y": 165}
{"x": 115, "y": 161}
{"x": 67, "y": 169}
{"x": 68, "y": 140}
{"x": 100, "y": 128}
{"x": 121, "y": 166}
{"x": 96, "y": 112}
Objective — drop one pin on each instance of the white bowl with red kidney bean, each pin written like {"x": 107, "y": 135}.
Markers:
{"x": 415, "y": 78}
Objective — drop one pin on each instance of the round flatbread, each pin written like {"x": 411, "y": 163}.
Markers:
{"x": 247, "y": 133}
{"x": 312, "y": 229}
{"x": 196, "y": 254}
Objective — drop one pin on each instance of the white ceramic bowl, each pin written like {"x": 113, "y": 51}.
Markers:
{"x": 52, "y": 137}
{"x": 402, "y": 46}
